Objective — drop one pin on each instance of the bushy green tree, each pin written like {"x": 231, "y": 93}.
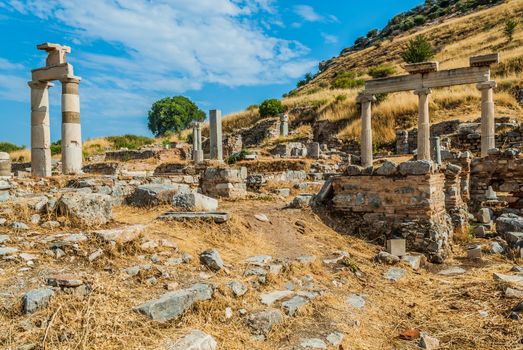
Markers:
{"x": 347, "y": 80}
{"x": 418, "y": 50}
{"x": 271, "y": 108}
{"x": 10, "y": 147}
{"x": 173, "y": 114}
{"x": 510, "y": 28}
{"x": 372, "y": 33}
{"x": 307, "y": 79}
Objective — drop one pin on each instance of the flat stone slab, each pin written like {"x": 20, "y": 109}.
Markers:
{"x": 194, "y": 340}
{"x": 261, "y": 260}
{"x": 395, "y": 274}
{"x": 271, "y": 298}
{"x": 172, "y": 305}
{"x": 511, "y": 279}
{"x": 452, "y": 271}
{"x": 64, "y": 280}
{"x": 7, "y": 251}
{"x": 218, "y": 217}
{"x": 122, "y": 234}
{"x": 356, "y": 301}
{"x": 293, "y": 305}
{"x": 313, "y": 343}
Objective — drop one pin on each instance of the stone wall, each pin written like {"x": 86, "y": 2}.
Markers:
{"x": 104, "y": 168}
{"x": 126, "y": 155}
{"x": 259, "y": 132}
{"x": 504, "y": 172}
{"x": 406, "y": 204}
{"x": 224, "y": 182}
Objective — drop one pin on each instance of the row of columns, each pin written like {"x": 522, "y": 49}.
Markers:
{"x": 488, "y": 132}
{"x": 41, "y": 131}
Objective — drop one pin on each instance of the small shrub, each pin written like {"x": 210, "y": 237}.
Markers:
{"x": 129, "y": 141}
{"x": 341, "y": 98}
{"x": 418, "y": 50}
{"x": 307, "y": 79}
{"x": 510, "y": 28}
{"x": 236, "y": 157}
{"x": 252, "y": 107}
{"x": 56, "y": 147}
{"x": 419, "y": 20}
{"x": 373, "y": 33}
{"x": 271, "y": 108}
{"x": 407, "y": 24}
{"x": 313, "y": 90}
{"x": 382, "y": 71}
{"x": 347, "y": 80}
{"x": 360, "y": 40}
{"x": 10, "y": 147}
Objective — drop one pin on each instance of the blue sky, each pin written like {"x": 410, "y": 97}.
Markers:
{"x": 224, "y": 54}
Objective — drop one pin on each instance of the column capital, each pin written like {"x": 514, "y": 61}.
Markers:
{"x": 71, "y": 80}
{"x": 40, "y": 84}
{"x": 423, "y": 91}
{"x": 491, "y": 84}
{"x": 364, "y": 97}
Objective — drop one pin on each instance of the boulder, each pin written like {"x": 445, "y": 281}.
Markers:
{"x": 427, "y": 342}
{"x": 172, "y": 305}
{"x": 237, "y": 288}
{"x": 36, "y": 299}
{"x": 302, "y": 201}
{"x": 212, "y": 259}
{"x": 418, "y": 167}
{"x": 388, "y": 168}
{"x": 156, "y": 194}
{"x": 293, "y": 305}
{"x": 194, "y": 340}
{"x": 194, "y": 202}
{"x": 509, "y": 222}
{"x": 122, "y": 234}
{"x": 262, "y": 322}
{"x": 87, "y": 209}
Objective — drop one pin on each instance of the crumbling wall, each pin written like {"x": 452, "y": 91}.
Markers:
{"x": 407, "y": 204}
{"x": 126, "y": 155}
{"x": 224, "y": 182}
{"x": 501, "y": 170}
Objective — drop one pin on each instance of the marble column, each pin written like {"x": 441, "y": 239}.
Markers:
{"x": 423, "y": 124}
{"x": 488, "y": 123}
{"x": 197, "y": 155}
{"x": 366, "y": 129}
{"x": 436, "y": 149}
{"x": 71, "y": 129}
{"x": 284, "y": 125}
{"x": 215, "y": 121}
{"x": 40, "y": 129}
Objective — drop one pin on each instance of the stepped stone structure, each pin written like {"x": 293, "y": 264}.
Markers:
{"x": 422, "y": 78}
{"x": 56, "y": 68}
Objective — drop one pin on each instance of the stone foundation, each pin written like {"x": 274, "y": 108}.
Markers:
{"x": 224, "y": 182}
{"x": 126, "y": 155}
{"x": 408, "y": 206}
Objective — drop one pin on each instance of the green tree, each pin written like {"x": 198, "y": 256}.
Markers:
{"x": 418, "y": 50}
{"x": 372, "y": 33}
{"x": 10, "y": 147}
{"x": 382, "y": 71}
{"x": 173, "y": 114}
{"x": 271, "y": 108}
{"x": 510, "y": 28}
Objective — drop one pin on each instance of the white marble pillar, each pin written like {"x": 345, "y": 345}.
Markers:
{"x": 71, "y": 129}
{"x": 488, "y": 123}
{"x": 423, "y": 124}
{"x": 40, "y": 129}
{"x": 215, "y": 121}
{"x": 284, "y": 125}
{"x": 197, "y": 155}
{"x": 366, "y": 129}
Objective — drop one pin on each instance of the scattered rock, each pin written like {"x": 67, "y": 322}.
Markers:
{"x": 262, "y": 322}
{"x": 194, "y": 202}
{"x": 509, "y": 222}
{"x": 388, "y": 168}
{"x": 194, "y": 340}
{"x": 356, "y": 301}
{"x": 496, "y": 248}
{"x": 518, "y": 280}
{"x": 413, "y": 260}
{"x": 452, "y": 271}
{"x": 50, "y": 224}
{"x": 395, "y": 274}
{"x": 387, "y": 258}
{"x": 262, "y": 217}
{"x": 95, "y": 255}
{"x": 272, "y": 297}
{"x": 19, "y": 226}
{"x": 302, "y": 201}
{"x": 237, "y": 288}
{"x": 293, "y": 305}
{"x": 418, "y": 167}
{"x": 335, "y": 338}
{"x": 513, "y": 293}
{"x": 7, "y": 251}
{"x": 88, "y": 209}
{"x": 173, "y": 304}
{"x": 211, "y": 259}
{"x": 122, "y": 234}
{"x": 261, "y": 260}
{"x": 427, "y": 342}
{"x": 64, "y": 280}
{"x": 36, "y": 299}
{"x": 410, "y": 334}
{"x": 313, "y": 343}
{"x": 156, "y": 194}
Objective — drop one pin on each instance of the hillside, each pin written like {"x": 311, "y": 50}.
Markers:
{"x": 455, "y": 40}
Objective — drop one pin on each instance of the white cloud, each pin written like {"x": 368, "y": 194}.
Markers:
{"x": 329, "y": 39}
{"x": 308, "y": 13}
{"x": 167, "y": 47}
{"x": 13, "y": 86}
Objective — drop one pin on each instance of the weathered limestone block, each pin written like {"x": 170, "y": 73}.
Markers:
{"x": 172, "y": 305}
{"x": 194, "y": 340}
{"x": 509, "y": 223}
{"x": 127, "y": 155}
{"x": 195, "y": 202}
{"x": 5, "y": 164}
{"x": 156, "y": 194}
{"x": 36, "y": 299}
{"x": 225, "y": 182}
{"x": 420, "y": 167}
{"x": 106, "y": 168}
{"x": 88, "y": 209}
{"x": 388, "y": 168}
{"x": 262, "y": 322}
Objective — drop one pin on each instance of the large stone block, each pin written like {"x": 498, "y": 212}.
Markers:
{"x": 194, "y": 340}
{"x": 172, "y": 305}
{"x": 195, "y": 202}
{"x": 36, "y": 299}
{"x": 156, "y": 194}
{"x": 88, "y": 209}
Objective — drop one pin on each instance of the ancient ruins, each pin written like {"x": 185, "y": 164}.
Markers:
{"x": 56, "y": 68}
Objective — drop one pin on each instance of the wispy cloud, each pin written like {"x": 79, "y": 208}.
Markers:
{"x": 13, "y": 86}
{"x": 309, "y": 14}
{"x": 329, "y": 39}
{"x": 169, "y": 47}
